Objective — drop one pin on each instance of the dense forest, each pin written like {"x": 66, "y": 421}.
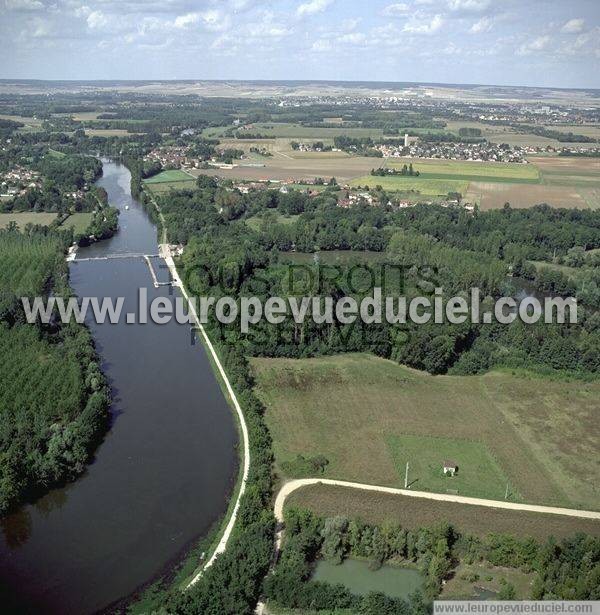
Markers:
{"x": 435, "y": 246}
{"x": 53, "y": 397}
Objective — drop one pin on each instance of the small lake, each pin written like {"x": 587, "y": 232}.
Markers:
{"x": 356, "y": 575}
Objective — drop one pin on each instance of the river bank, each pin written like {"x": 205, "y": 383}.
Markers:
{"x": 166, "y": 470}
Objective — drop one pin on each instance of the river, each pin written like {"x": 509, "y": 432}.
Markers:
{"x": 166, "y": 468}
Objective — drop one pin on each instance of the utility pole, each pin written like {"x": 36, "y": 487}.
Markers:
{"x": 506, "y": 494}
{"x": 406, "y": 477}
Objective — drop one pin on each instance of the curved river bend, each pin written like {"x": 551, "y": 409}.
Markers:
{"x": 163, "y": 474}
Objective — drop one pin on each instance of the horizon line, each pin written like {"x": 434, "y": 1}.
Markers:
{"x": 298, "y": 81}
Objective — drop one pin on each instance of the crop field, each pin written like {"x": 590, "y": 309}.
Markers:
{"x": 164, "y": 187}
{"x": 29, "y": 122}
{"x": 284, "y": 166}
{"x": 170, "y": 176}
{"x": 507, "y": 134}
{"x": 107, "y": 132}
{"x": 423, "y": 185}
{"x": 566, "y": 170}
{"x": 491, "y": 195}
{"x": 291, "y": 131}
{"x": 412, "y": 513}
{"x": 578, "y": 129}
{"x": 543, "y": 435}
{"x": 26, "y": 218}
{"x": 465, "y": 169}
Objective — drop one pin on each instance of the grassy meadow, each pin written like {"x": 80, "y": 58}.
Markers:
{"x": 23, "y": 218}
{"x": 291, "y": 131}
{"x": 423, "y": 185}
{"x": 169, "y": 176}
{"x": 79, "y": 222}
{"x": 478, "y": 472}
{"x": 540, "y": 436}
{"x": 464, "y": 169}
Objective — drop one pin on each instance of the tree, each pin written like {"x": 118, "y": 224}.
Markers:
{"x": 334, "y": 538}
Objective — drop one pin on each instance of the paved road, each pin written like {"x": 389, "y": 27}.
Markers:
{"x": 293, "y": 485}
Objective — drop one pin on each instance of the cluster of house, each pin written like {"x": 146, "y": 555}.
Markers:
{"x": 171, "y": 157}
{"x": 353, "y": 198}
{"x": 486, "y": 152}
{"x": 18, "y": 181}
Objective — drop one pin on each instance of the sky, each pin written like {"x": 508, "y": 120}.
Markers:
{"x": 552, "y": 43}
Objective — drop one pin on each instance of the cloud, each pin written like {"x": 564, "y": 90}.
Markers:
{"x": 312, "y": 7}
{"x": 354, "y": 38}
{"x": 424, "y": 27}
{"x": 39, "y": 29}
{"x": 214, "y": 20}
{"x": 22, "y": 5}
{"x": 350, "y": 24}
{"x": 321, "y": 46}
{"x": 538, "y": 44}
{"x": 469, "y": 6}
{"x": 573, "y": 26}
{"x": 392, "y": 10}
{"x": 483, "y": 25}
{"x": 96, "y": 20}
{"x": 266, "y": 30}
{"x": 187, "y": 20}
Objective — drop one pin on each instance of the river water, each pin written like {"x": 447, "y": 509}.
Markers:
{"x": 163, "y": 474}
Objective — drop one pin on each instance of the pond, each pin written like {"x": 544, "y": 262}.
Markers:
{"x": 356, "y": 575}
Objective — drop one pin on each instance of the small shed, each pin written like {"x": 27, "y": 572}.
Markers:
{"x": 450, "y": 467}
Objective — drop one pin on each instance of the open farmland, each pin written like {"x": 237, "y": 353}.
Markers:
{"x": 412, "y": 513}
{"x": 78, "y": 222}
{"x": 425, "y": 186}
{"x": 30, "y": 123}
{"x": 492, "y": 195}
{"x": 438, "y": 177}
{"x": 23, "y": 218}
{"x": 544, "y": 436}
{"x": 507, "y": 134}
{"x": 291, "y": 131}
{"x": 465, "y": 169}
{"x": 568, "y": 171}
{"x": 578, "y": 129}
{"x": 284, "y": 166}
{"x": 170, "y": 176}
{"x": 107, "y": 132}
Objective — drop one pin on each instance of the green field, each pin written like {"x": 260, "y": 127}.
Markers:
{"x": 172, "y": 175}
{"x": 541, "y": 436}
{"x": 290, "y": 131}
{"x": 23, "y": 218}
{"x": 161, "y": 188}
{"x": 256, "y": 221}
{"x": 79, "y": 222}
{"x": 462, "y": 169}
{"x": 422, "y": 185}
{"x": 478, "y": 473}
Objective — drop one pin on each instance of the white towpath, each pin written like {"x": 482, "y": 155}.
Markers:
{"x": 165, "y": 252}
{"x": 291, "y": 486}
